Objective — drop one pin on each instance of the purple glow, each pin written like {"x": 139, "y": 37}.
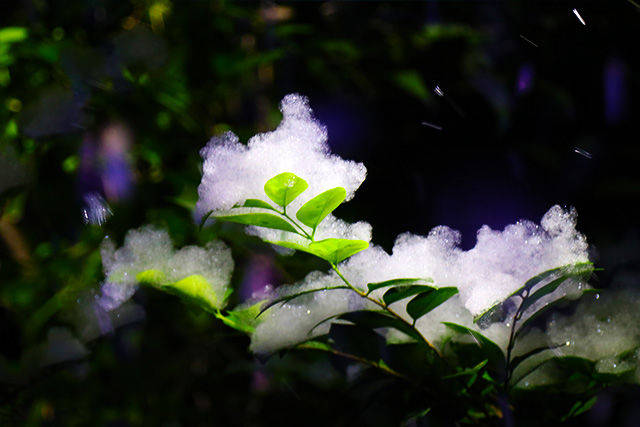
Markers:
{"x": 525, "y": 79}
{"x": 259, "y": 278}
{"x": 615, "y": 90}
{"x": 117, "y": 177}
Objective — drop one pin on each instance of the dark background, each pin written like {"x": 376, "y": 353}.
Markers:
{"x": 537, "y": 109}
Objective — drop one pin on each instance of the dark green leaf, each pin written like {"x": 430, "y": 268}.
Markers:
{"x": 204, "y": 219}
{"x": 288, "y": 298}
{"x": 564, "y": 272}
{"x": 569, "y": 272}
{"x": 284, "y": 188}
{"x": 491, "y": 349}
{"x": 401, "y": 292}
{"x": 260, "y": 220}
{"x": 394, "y": 282}
{"x": 580, "y": 407}
{"x": 316, "y": 209}
{"x": 524, "y": 326}
{"x": 519, "y": 359}
{"x": 379, "y": 319}
{"x": 427, "y": 301}
{"x": 358, "y": 341}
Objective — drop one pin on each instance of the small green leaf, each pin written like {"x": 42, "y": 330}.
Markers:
{"x": 580, "y": 407}
{"x": 427, "y": 301}
{"x": 288, "y": 298}
{"x": 284, "y": 188}
{"x": 331, "y": 250}
{"x": 316, "y": 209}
{"x": 395, "y": 282}
{"x": 242, "y": 319}
{"x": 471, "y": 371}
{"x": 337, "y": 250}
{"x": 13, "y": 34}
{"x": 259, "y": 219}
{"x": 255, "y": 203}
{"x": 196, "y": 289}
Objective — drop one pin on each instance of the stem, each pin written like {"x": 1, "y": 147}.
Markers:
{"x": 284, "y": 214}
{"x": 384, "y": 307}
{"x": 511, "y": 343}
{"x": 383, "y": 368}
{"x": 365, "y": 294}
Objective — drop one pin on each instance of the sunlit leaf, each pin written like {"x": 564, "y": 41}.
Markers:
{"x": 316, "y": 209}
{"x": 195, "y": 288}
{"x": 284, "y": 188}
{"x": 259, "y": 219}
{"x": 427, "y": 301}
{"x": 13, "y": 34}
{"x": 337, "y": 250}
{"x": 255, "y": 203}
{"x": 331, "y": 250}
{"x": 243, "y": 319}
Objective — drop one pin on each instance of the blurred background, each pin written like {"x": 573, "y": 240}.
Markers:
{"x": 465, "y": 113}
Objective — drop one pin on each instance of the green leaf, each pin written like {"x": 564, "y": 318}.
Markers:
{"x": 316, "y": 209}
{"x": 13, "y": 34}
{"x": 491, "y": 349}
{"x": 331, "y": 250}
{"x": 259, "y": 219}
{"x": 569, "y": 272}
{"x": 580, "y": 407}
{"x": 571, "y": 365}
{"x": 427, "y": 301}
{"x": 470, "y": 371}
{"x": 256, "y": 203}
{"x": 151, "y": 277}
{"x": 564, "y": 272}
{"x": 379, "y": 319}
{"x": 204, "y": 219}
{"x": 337, "y": 250}
{"x": 288, "y": 298}
{"x": 519, "y": 359}
{"x": 394, "y": 282}
{"x": 242, "y": 319}
{"x": 284, "y": 188}
{"x": 194, "y": 289}
{"x": 528, "y": 322}
{"x": 401, "y": 292}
